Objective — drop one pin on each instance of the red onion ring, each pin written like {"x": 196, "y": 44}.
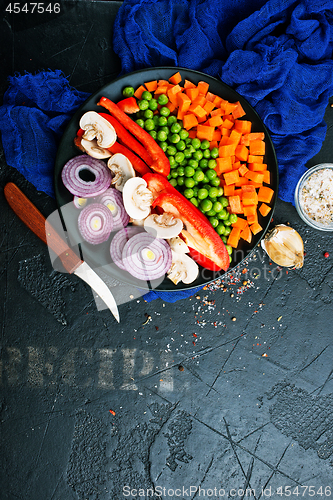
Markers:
{"x": 97, "y": 215}
{"x": 86, "y": 189}
{"x": 146, "y": 257}
{"x": 118, "y": 242}
{"x": 113, "y": 200}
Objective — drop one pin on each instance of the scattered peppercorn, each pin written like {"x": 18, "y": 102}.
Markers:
{"x": 180, "y": 368}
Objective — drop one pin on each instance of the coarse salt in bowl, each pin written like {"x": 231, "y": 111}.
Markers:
{"x": 314, "y": 197}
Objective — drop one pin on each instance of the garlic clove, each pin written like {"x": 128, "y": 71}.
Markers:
{"x": 284, "y": 246}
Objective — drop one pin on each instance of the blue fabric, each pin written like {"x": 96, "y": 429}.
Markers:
{"x": 35, "y": 111}
{"x": 277, "y": 54}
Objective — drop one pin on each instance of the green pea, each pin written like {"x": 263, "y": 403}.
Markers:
{"x": 153, "y": 104}
{"x": 189, "y": 182}
{"x": 220, "y": 188}
{"x": 181, "y": 145}
{"x": 216, "y": 183}
{"x": 211, "y": 173}
{"x": 173, "y": 182}
{"x": 227, "y": 221}
{"x": 128, "y": 92}
{"x": 153, "y": 133}
{"x": 143, "y": 104}
{"x": 233, "y": 218}
{"x": 174, "y": 173}
{"x": 183, "y": 134}
{"x": 206, "y": 205}
{"x": 161, "y": 135}
{"x": 211, "y": 213}
{"x": 179, "y": 157}
{"x": 205, "y": 180}
{"x": 229, "y": 249}
{"x": 163, "y": 145}
{"x": 181, "y": 171}
{"x": 172, "y": 162}
{"x": 224, "y": 239}
{"x": 188, "y": 193}
{"x": 162, "y": 121}
{"x": 183, "y": 163}
{"x": 214, "y": 221}
{"x": 193, "y": 163}
{"x": 206, "y": 153}
{"x": 164, "y": 111}
{"x": 174, "y": 138}
{"x": 194, "y": 201}
{"x": 222, "y": 214}
{"x": 162, "y": 99}
{"x": 180, "y": 181}
{"x": 195, "y": 191}
{"x": 213, "y": 192}
{"x": 187, "y": 152}
{"x": 171, "y": 150}
{"x": 155, "y": 120}
{"x": 140, "y": 122}
{"x": 205, "y": 144}
{"x": 171, "y": 120}
{"x": 198, "y": 175}
{"x": 197, "y": 155}
{"x": 148, "y": 113}
{"x": 206, "y": 186}
{"x": 220, "y": 229}
{"x": 203, "y": 163}
{"x": 176, "y": 128}
{"x": 224, "y": 201}
{"x": 149, "y": 124}
{"x": 189, "y": 171}
{"x": 146, "y": 95}
{"x": 214, "y": 153}
{"x": 196, "y": 143}
{"x": 202, "y": 193}
{"x": 217, "y": 206}
{"x": 227, "y": 231}
{"x": 212, "y": 164}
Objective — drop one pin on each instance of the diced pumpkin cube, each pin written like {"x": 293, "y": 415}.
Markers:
{"x": 255, "y": 228}
{"x": 231, "y": 177}
{"x": 264, "y": 209}
{"x": 265, "y": 194}
{"x": 235, "y": 204}
{"x": 233, "y": 238}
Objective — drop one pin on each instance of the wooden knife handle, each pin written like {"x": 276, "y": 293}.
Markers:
{"x": 37, "y": 223}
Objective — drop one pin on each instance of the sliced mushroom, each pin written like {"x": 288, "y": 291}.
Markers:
{"x": 137, "y": 222}
{"x": 94, "y": 150}
{"x": 122, "y": 170}
{"x": 137, "y": 198}
{"x": 97, "y": 127}
{"x": 178, "y": 245}
{"x": 183, "y": 268}
{"x": 163, "y": 226}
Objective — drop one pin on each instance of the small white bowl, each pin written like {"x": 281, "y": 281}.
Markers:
{"x": 298, "y": 198}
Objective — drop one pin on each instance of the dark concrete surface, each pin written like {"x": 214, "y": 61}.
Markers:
{"x": 180, "y": 397}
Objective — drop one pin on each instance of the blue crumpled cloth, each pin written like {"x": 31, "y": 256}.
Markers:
{"x": 277, "y": 54}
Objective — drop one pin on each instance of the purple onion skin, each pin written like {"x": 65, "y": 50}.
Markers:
{"x": 100, "y": 236}
{"x": 71, "y": 179}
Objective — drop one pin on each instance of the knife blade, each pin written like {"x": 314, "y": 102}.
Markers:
{"x": 36, "y": 222}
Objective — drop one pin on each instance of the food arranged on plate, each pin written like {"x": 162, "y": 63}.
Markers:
{"x": 172, "y": 175}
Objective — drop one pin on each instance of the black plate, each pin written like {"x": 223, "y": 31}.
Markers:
{"x": 100, "y": 256}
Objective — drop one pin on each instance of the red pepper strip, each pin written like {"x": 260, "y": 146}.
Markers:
{"x": 198, "y": 233}
{"x": 202, "y": 260}
{"x": 137, "y": 163}
{"x": 156, "y": 183}
{"x": 160, "y": 163}
{"x": 127, "y": 139}
{"x": 128, "y": 105}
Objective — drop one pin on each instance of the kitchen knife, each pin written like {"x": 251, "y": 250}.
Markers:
{"x": 37, "y": 223}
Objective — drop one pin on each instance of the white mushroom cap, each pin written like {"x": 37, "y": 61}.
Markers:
{"x": 122, "y": 170}
{"x": 94, "y": 150}
{"x": 183, "y": 268}
{"x": 137, "y": 198}
{"x": 163, "y": 226}
{"x": 95, "y": 126}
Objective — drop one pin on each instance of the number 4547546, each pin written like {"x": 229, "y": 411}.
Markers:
{"x": 31, "y": 7}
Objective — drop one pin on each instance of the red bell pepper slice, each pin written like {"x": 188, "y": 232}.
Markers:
{"x": 198, "y": 233}
{"x": 202, "y": 260}
{"x": 129, "y": 105}
{"x": 160, "y": 163}
{"x": 137, "y": 163}
{"x": 156, "y": 183}
{"x": 125, "y": 138}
